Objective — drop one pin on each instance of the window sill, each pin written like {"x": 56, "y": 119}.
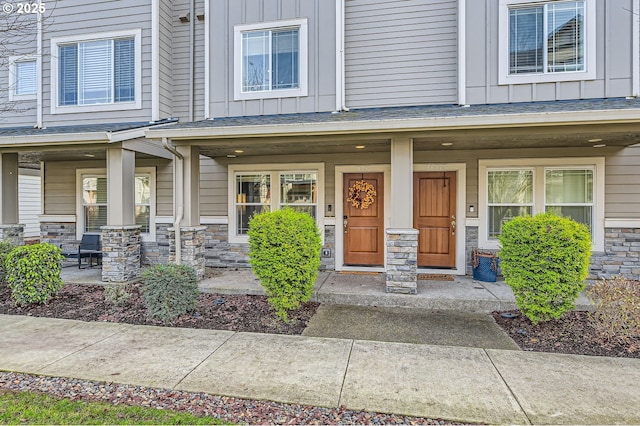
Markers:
{"x": 505, "y": 79}
{"x": 74, "y": 109}
{"x": 271, "y": 94}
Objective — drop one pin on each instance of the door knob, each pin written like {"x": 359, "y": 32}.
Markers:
{"x": 344, "y": 223}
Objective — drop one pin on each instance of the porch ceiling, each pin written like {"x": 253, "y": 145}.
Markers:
{"x": 32, "y": 159}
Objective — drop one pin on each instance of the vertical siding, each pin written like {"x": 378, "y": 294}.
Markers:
{"x": 75, "y": 17}
{"x": 400, "y": 52}
{"x": 613, "y": 58}
{"x": 321, "y": 55}
{"x": 29, "y": 202}
{"x": 165, "y": 91}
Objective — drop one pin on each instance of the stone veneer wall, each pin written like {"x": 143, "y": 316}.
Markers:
{"x": 120, "y": 253}
{"x": 62, "y": 235}
{"x": 13, "y": 234}
{"x": 402, "y": 261}
{"x": 329, "y": 263}
{"x": 192, "y": 240}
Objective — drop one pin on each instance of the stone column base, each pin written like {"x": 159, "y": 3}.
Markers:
{"x": 192, "y": 239}
{"x": 13, "y": 234}
{"x": 402, "y": 261}
{"x": 120, "y": 253}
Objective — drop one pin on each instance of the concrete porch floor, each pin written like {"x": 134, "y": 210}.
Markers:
{"x": 335, "y": 288}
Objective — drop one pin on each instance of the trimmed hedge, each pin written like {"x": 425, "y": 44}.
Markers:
{"x": 545, "y": 260}
{"x": 5, "y": 249}
{"x": 284, "y": 252}
{"x": 33, "y": 273}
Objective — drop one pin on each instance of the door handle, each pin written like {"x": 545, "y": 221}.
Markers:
{"x": 453, "y": 224}
{"x": 344, "y": 223}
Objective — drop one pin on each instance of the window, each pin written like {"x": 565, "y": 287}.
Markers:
{"x": 98, "y": 73}
{"x": 92, "y": 212}
{"x": 271, "y": 60}
{"x": 570, "y": 187}
{"x": 547, "y": 41}
{"x": 23, "y": 82}
{"x": 256, "y": 189}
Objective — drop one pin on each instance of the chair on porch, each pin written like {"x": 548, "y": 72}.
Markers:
{"x": 89, "y": 248}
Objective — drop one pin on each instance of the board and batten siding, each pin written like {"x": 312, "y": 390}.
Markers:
{"x": 29, "y": 201}
{"x": 80, "y": 18}
{"x": 614, "y": 22}
{"x": 400, "y": 52}
{"x": 226, "y": 14}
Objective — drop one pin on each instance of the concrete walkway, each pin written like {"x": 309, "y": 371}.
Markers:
{"x": 455, "y": 383}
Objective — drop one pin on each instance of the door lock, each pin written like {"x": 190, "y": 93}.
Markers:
{"x": 344, "y": 223}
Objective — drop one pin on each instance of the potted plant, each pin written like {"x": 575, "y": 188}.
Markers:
{"x": 485, "y": 265}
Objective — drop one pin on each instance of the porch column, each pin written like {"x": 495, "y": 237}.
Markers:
{"x": 187, "y": 197}
{"x": 402, "y": 239}
{"x": 121, "y": 237}
{"x": 10, "y": 230}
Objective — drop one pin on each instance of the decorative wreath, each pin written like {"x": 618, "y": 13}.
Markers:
{"x": 362, "y": 194}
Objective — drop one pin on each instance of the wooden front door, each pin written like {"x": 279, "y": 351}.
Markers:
{"x": 434, "y": 210}
{"x": 363, "y": 225}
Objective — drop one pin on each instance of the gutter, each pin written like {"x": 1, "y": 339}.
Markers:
{"x": 178, "y": 196}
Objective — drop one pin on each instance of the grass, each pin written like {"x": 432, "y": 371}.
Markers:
{"x": 38, "y": 408}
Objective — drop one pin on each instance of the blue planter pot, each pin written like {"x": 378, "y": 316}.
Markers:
{"x": 486, "y": 270}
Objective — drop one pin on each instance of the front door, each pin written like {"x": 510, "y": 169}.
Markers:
{"x": 434, "y": 210}
{"x": 363, "y": 220}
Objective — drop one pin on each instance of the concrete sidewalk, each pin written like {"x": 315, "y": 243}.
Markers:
{"x": 455, "y": 383}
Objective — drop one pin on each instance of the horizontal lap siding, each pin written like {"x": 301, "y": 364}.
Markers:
{"x": 165, "y": 91}
{"x": 30, "y": 202}
{"x": 400, "y": 53}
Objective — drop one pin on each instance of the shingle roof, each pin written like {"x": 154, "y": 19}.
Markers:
{"x": 81, "y": 128}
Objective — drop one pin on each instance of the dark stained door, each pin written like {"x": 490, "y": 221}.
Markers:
{"x": 434, "y": 209}
{"x": 363, "y": 227}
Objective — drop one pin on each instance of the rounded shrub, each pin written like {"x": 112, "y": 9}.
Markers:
{"x": 545, "y": 260}
{"x": 170, "y": 291}
{"x": 33, "y": 273}
{"x": 284, "y": 252}
{"x": 5, "y": 249}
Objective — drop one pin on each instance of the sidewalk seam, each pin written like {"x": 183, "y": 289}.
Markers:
{"x": 344, "y": 376}
{"x": 495, "y": 367}
{"x": 203, "y": 361}
{"x": 317, "y": 289}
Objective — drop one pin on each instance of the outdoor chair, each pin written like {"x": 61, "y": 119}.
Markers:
{"x": 89, "y": 248}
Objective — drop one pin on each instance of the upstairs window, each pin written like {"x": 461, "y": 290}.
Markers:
{"x": 547, "y": 41}
{"x": 96, "y": 73}
{"x": 271, "y": 60}
{"x": 23, "y": 84}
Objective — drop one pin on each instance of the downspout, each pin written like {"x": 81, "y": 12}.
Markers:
{"x": 340, "y": 62}
{"x": 39, "y": 71}
{"x": 462, "y": 53}
{"x": 192, "y": 46}
{"x": 178, "y": 195}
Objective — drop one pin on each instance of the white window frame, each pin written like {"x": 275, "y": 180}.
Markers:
{"x": 113, "y": 106}
{"x": 539, "y": 166}
{"x": 503, "y": 47}
{"x": 274, "y": 170}
{"x": 303, "y": 55}
{"x": 102, "y": 172}
{"x": 13, "y": 73}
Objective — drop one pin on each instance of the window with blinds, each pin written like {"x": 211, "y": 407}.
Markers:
{"x": 97, "y": 72}
{"x": 25, "y": 77}
{"x": 547, "y": 38}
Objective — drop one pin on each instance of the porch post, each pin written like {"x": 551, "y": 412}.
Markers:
{"x": 10, "y": 230}
{"x": 121, "y": 237}
{"x": 192, "y": 234}
{"x": 402, "y": 239}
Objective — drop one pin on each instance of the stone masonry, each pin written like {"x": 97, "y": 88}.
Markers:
{"x": 62, "y": 235}
{"x": 402, "y": 261}
{"x": 12, "y": 233}
{"x": 621, "y": 255}
{"x": 192, "y": 239}
{"x": 120, "y": 253}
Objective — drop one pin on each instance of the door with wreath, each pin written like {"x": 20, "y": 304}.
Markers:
{"x": 363, "y": 220}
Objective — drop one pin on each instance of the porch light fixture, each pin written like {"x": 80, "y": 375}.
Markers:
{"x": 446, "y": 143}
{"x": 89, "y": 155}
{"x": 238, "y": 151}
{"x": 360, "y": 146}
{"x": 595, "y": 140}
{"x": 600, "y": 145}
{"x": 231, "y": 156}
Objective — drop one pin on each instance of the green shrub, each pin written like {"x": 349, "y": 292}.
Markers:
{"x": 5, "y": 249}
{"x": 545, "y": 260}
{"x": 284, "y": 251}
{"x": 170, "y": 290}
{"x": 116, "y": 294}
{"x": 617, "y": 308}
{"x": 33, "y": 273}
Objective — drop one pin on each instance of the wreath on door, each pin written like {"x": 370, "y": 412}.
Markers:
{"x": 362, "y": 194}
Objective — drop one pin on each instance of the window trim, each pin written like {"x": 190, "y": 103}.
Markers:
{"x": 81, "y": 173}
{"x": 539, "y": 166}
{"x": 275, "y": 170}
{"x": 303, "y": 56}
{"x": 113, "y": 106}
{"x": 13, "y": 72}
{"x": 503, "y": 47}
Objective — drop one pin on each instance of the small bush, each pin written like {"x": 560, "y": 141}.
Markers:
{"x": 116, "y": 295}
{"x": 617, "y": 308}
{"x": 5, "y": 249}
{"x": 545, "y": 260}
{"x": 33, "y": 273}
{"x": 284, "y": 251}
{"x": 170, "y": 291}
